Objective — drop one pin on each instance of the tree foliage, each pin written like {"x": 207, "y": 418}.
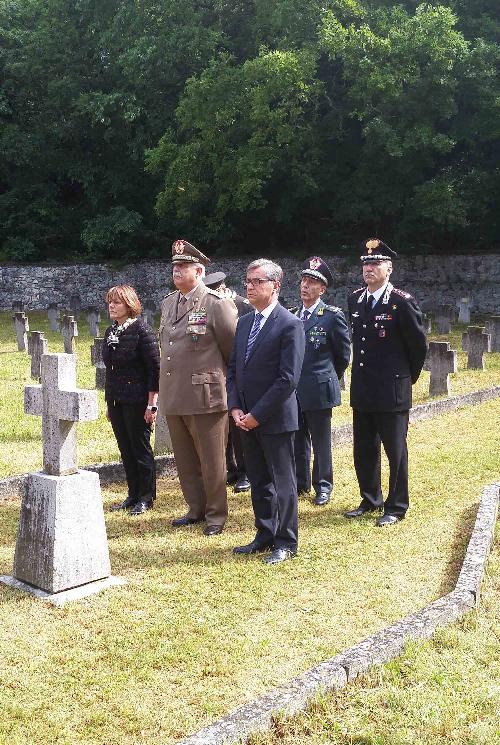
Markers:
{"x": 242, "y": 125}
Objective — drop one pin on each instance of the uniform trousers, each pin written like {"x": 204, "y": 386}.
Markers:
{"x": 133, "y": 437}
{"x": 199, "y": 444}
{"x": 270, "y": 467}
{"x": 370, "y": 428}
{"x": 314, "y": 427}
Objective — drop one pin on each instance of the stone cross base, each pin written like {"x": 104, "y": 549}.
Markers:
{"x": 61, "y": 541}
{"x": 61, "y": 598}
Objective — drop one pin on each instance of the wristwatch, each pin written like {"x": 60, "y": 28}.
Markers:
{"x": 152, "y": 409}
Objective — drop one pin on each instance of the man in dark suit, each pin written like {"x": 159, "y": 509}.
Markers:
{"x": 328, "y": 349}
{"x": 235, "y": 459}
{"x": 263, "y": 373}
{"x": 389, "y": 349}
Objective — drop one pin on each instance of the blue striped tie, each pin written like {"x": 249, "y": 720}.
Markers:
{"x": 253, "y": 334}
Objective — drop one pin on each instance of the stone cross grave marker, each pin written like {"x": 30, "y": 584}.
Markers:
{"x": 427, "y": 323}
{"x": 97, "y": 361}
{"x": 444, "y": 317}
{"x": 94, "y": 318}
{"x": 148, "y": 313}
{"x": 53, "y": 316}
{"x": 493, "y": 329}
{"x": 37, "y": 346}
{"x": 69, "y": 328}
{"x": 475, "y": 341}
{"x": 22, "y": 327}
{"x": 464, "y": 310}
{"x": 440, "y": 362}
{"x": 61, "y": 548}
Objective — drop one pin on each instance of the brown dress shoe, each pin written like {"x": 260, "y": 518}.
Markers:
{"x": 180, "y": 522}
{"x": 213, "y": 530}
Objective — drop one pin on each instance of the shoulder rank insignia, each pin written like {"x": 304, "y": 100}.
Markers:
{"x": 360, "y": 289}
{"x": 402, "y": 293}
{"x": 333, "y": 308}
{"x": 214, "y": 292}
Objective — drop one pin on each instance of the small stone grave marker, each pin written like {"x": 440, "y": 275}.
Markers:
{"x": 475, "y": 341}
{"x": 53, "y": 316}
{"x": 148, "y": 313}
{"x": 94, "y": 318}
{"x": 464, "y": 310}
{"x": 427, "y": 323}
{"x": 22, "y": 327}
{"x": 493, "y": 329}
{"x": 97, "y": 361}
{"x": 17, "y": 306}
{"x": 37, "y": 346}
{"x": 163, "y": 443}
{"x": 69, "y": 328}
{"x": 444, "y": 317}
{"x": 75, "y": 305}
{"x": 440, "y": 362}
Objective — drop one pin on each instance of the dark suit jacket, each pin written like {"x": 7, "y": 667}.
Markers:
{"x": 265, "y": 385}
{"x": 389, "y": 349}
{"x": 328, "y": 350}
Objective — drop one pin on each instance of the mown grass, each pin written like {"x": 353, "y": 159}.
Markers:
{"x": 442, "y": 692}
{"x": 198, "y": 631}
{"x": 20, "y": 433}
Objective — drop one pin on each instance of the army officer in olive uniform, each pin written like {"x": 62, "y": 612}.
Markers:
{"x": 196, "y": 336}
{"x": 389, "y": 349}
{"x": 326, "y": 358}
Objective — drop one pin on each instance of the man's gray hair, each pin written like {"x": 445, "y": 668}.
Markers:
{"x": 203, "y": 269}
{"x": 273, "y": 271}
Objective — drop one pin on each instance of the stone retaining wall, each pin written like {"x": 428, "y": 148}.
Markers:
{"x": 432, "y": 279}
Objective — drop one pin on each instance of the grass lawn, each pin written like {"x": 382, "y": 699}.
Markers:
{"x": 20, "y": 433}
{"x": 197, "y": 631}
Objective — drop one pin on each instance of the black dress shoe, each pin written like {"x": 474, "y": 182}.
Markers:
{"x": 140, "y": 507}
{"x": 252, "y": 548}
{"x": 126, "y": 505}
{"x": 361, "y": 510}
{"x": 242, "y": 484}
{"x": 213, "y": 530}
{"x": 279, "y": 555}
{"x": 180, "y": 522}
{"x": 388, "y": 520}
{"x": 321, "y": 498}
{"x": 231, "y": 479}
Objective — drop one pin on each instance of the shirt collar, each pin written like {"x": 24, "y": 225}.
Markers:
{"x": 378, "y": 293}
{"x": 190, "y": 294}
{"x": 311, "y": 309}
{"x": 267, "y": 311}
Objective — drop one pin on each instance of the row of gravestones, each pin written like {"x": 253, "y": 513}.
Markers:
{"x": 55, "y": 312}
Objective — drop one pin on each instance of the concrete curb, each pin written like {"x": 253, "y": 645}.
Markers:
{"x": 13, "y": 487}
{"x": 383, "y": 646}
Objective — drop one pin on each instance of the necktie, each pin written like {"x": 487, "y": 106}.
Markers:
{"x": 370, "y": 302}
{"x": 305, "y": 315}
{"x": 254, "y": 331}
{"x": 181, "y": 303}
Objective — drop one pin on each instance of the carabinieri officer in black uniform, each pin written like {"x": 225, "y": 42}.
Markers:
{"x": 389, "y": 349}
{"x": 327, "y": 354}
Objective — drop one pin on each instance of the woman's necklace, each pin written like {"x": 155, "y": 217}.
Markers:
{"x": 117, "y": 330}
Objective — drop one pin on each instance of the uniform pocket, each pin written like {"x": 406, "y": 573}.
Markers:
{"x": 212, "y": 388}
{"x": 402, "y": 390}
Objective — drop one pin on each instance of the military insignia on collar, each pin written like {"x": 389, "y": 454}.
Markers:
{"x": 355, "y": 315}
{"x": 394, "y": 307}
{"x": 178, "y": 247}
{"x": 320, "y": 311}
{"x": 315, "y": 262}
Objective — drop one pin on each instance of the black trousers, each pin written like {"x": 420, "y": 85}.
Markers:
{"x": 235, "y": 459}
{"x": 315, "y": 427}
{"x": 271, "y": 470}
{"x": 370, "y": 429}
{"x": 133, "y": 438}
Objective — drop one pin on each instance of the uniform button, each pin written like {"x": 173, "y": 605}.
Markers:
{"x": 360, "y": 364}
{"x": 364, "y": 325}
{"x": 363, "y": 338}
{"x": 169, "y": 373}
{"x": 170, "y": 343}
{"x": 173, "y": 328}
{"x": 362, "y": 351}
{"x": 168, "y": 358}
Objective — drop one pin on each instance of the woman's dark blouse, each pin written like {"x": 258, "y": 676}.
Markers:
{"x": 133, "y": 365}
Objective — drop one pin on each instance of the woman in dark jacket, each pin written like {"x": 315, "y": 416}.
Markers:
{"x": 132, "y": 360}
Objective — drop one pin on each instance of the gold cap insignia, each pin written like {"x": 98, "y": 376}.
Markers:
{"x": 178, "y": 247}
{"x": 371, "y": 244}
{"x": 315, "y": 262}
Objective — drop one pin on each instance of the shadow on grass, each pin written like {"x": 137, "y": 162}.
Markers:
{"x": 461, "y": 538}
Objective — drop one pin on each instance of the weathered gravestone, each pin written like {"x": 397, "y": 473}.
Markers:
{"x": 427, "y": 323}
{"x": 97, "y": 361}
{"x": 440, "y": 362}
{"x": 37, "y": 346}
{"x": 163, "y": 443}
{"x": 69, "y": 329}
{"x": 75, "y": 305}
{"x": 475, "y": 341}
{"x": 53, "y": 316}
{"x": 444, "y": 317}
{"x": 493, "y": 329}
{"x": 148, "y": 313}
{"x": 17, "y": 306}
{"x": 22, "y": 327}
{"x": 94, "y": 318}
{"x": 464, "y": 310}
{"x": 61, "y": 542}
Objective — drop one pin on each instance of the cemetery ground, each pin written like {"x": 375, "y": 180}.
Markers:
{"x": 20, "y": 433}
{"x": 198, "y": 631}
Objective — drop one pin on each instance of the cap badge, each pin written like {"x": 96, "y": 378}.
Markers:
{"x": 178, "y": 247}
{"x": 315, "y": 263}
{"x": 374, "y": 243}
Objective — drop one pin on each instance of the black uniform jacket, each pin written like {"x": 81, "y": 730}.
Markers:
{"x": 328, "y": 350}
{"x": 133, "y": 365}
{"x": 389, "y": 349}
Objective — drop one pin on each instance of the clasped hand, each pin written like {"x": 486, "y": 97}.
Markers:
{"x": 244, "y": 421}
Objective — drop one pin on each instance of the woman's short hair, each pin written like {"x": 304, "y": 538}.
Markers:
{"x": 125, "y": 294}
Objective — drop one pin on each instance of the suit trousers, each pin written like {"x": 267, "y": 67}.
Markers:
{"x": 199, "y": 444}
{"x": 270, "y": 467}
{"x": 133, "y": 438}
{"x": 314, "y": 427}
{"x": 370, "y": 428}
{"x": 235, "y": 460}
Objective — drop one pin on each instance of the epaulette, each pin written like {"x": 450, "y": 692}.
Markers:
{"x": 294, "y": 310}
{"x": 170, "y": 293}
{"x": 404, "y": 294}
{"x": 360, "y": 289}
{"x": 333, "y": 308}
{"x": 217, "y": 294}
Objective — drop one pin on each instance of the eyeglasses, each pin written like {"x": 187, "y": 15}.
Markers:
{"x": 255, "y": 282}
